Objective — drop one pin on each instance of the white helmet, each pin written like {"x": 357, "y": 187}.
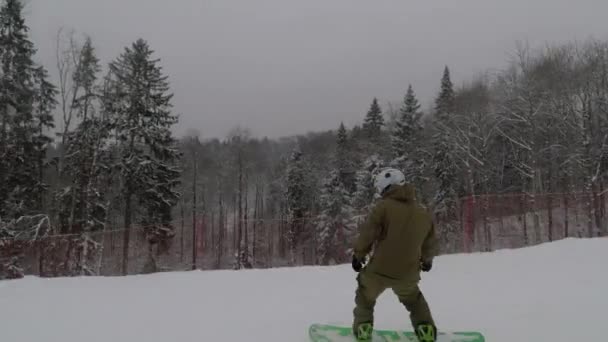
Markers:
{"x": 387, "y": 177}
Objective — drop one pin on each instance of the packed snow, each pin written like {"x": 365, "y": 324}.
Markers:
{"x": 551, "y": 292}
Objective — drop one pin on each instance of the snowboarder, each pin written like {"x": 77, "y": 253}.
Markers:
{"x": 402, "y": 235}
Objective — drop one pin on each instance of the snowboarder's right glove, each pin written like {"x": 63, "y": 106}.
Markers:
{"x": 357, "y": 264}
{"x": 426, "y": 266}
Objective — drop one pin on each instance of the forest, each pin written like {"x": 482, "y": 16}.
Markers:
{"x": 91, "y": 156}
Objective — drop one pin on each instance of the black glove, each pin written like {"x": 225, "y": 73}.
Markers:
{"x": 426, "y": 266}
{"x": 357, "y": 264}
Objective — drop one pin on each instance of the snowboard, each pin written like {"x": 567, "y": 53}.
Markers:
{"x": 336, "y": 333}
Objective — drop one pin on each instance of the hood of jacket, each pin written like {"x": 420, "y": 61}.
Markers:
{"x": 402, "y": 193}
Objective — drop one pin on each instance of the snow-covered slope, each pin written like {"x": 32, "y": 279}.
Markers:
{"x": 552, "y": 292}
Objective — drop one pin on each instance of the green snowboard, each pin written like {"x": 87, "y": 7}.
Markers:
{"x": 335, "y": 333}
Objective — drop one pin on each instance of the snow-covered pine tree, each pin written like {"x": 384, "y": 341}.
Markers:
{"x": 297, "y": 203}
{"x": 341, "y": 156}
{"x": 335, "y": 223}
{"x": 26, "y": 100}
{"x": 374, "y": 121}
{"x": 142, "y": 119}
{"x": 83, "y": 203}
{"x": 81, "y": 146}
{"x": 44, "y": 104}
{"x": 358, "y": 146}
{"x": 406, "y": 124}
{"x": 85, "y": 78}
{"x": 444, "y": 104}
{"x": 238, "y": 140}
{"x": 335, "y": 227}
{"x": 444, "y": 165}
{"x": 375, "y": 141}
{"x": 406, "y": 139}
{"x": 343, "y": 159}
{"x": 365, "y": 193}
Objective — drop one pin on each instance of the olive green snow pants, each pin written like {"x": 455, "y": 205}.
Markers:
{"x": 371, "y": 286}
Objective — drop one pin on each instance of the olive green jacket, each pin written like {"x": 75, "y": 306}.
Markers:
{"x": 401, "y": 233}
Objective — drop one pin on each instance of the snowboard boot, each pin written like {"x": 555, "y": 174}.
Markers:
{"x": 426, "y": 332}
{"x": 364, "y": 332}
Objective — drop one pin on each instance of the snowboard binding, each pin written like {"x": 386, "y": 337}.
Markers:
{"x": 364, "y": 332}
{"x": 426, "y": 332}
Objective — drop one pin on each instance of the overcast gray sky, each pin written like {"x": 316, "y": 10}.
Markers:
{"x": 283, "y": 67}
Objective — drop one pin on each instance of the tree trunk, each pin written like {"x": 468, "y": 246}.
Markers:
{"x": 245, "y": 224}
{"x": 221, "y": 231}
{"x": 194, "y": 188}
{"x": 254, "y": 240}
{"x": 212, "y": 240}
{"x": 239, "y": 227}
{"x": 524, "y": 218}
{"x": 566, "y": 214}
{"x": 127, "y": 233}
{"x": 183, "y": 224}
{"x": 203, "y": 237}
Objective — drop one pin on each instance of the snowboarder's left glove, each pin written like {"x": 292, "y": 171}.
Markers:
{"x": 357, "y": 264}
{"x": 426, "y": 266}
